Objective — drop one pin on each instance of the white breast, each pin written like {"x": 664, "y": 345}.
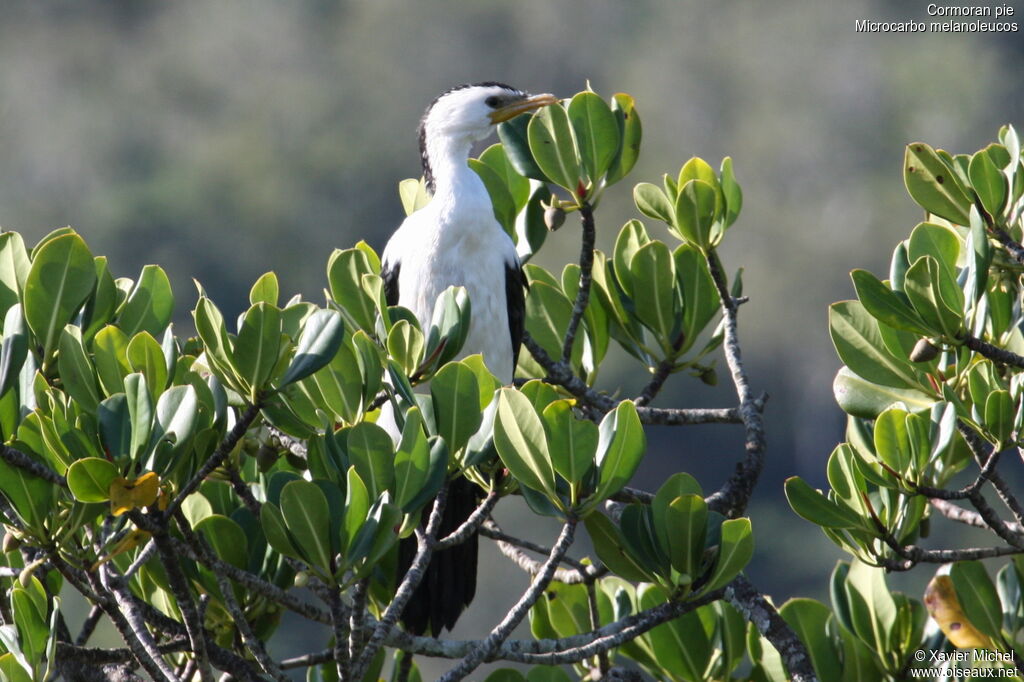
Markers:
{"x": 438, "y": 247}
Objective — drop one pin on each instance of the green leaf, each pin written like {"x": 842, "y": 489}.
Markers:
{"x": 14, "y": 349}
{"x": 521, "y": 443}
{"x": 695, "y": 213}
{"x": 518, "y": 186}
{"x": 150, "y": 304}
{"x": 319, "y": 341}
{"x": 630, "y": 134}
{"x": 609, "y": 546}
{"x": 227, "y": 538}
{"x": 885, "y": 306}
{"x": 372, "y": 453}
{"x": 933, "y": 185}
{"x": 989, "y": 183}
{"x": 345, "y": 271}
{"x": 30, "y": 618}
{"x": 14, "y": 268}
{"x": 872, "y": 608}
{"x": 89, "y": 479}
{"x": 937, "y": 241}
{"x": 999, "y": 416}
{"x": 700, "y": 298}
{"x": 620, "y": 448}
{"x": 862, "y": 398}
{"x": 456, "y": 396}
{"x": 859, "y": 344}
{"x": 145, "y": 355}
{"x": 572, "y": 441}
{"x": 306, "y": 516}
{"x": 140, "y": 411}
{"x": 258, "y": 347}
{"x": 76, "y": 370}
{"x": 413, "y": 194}
{"x": 552, "y": 147}
{"x": 731, "y": 192}
{"x": 735, "y": 550}
{"x": 809, "y": 620}
{"x": 60, "y": 279}
{"x": 818, "y": 509}
{"x": 935, "y": 296}
{"x": 405, "y": 344}
{"x": 597, "y": 132}
{"x": 514, "y": 138}
{"x": 115, "y": 425}
{"x": 412, "y": 460}
{"x": 686, "y": 520}
{"x": 653, "y": 275}
{"x": 11, "y": 670}
{"x": 265, "y": 290}
{"x": 276, "y": 532}
{"x": 502, "y": 203}
{"x": 652, "y": 202}
{"x": 176, "y": 414}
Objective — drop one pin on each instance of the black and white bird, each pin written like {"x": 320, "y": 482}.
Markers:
{"x": 456, "y": 241}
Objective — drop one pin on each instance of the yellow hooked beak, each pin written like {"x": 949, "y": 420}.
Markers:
{"x": 522, "y": 106}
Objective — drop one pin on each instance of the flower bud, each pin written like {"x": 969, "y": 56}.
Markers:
{"x": 924, "y": 351}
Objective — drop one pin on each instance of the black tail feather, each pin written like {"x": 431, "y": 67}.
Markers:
{"x": 449, "y": 583}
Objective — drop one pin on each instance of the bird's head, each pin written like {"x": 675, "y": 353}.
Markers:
{"x": 470, "y": 112}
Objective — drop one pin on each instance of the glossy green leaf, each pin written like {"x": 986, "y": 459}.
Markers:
{"x": 935, "y": 296}
{"x": 620, "y": 448}
{"x": 405, "y": 344}
{"x": 885, "y": 306}
{"x": 989, "y": 182}
{"x": 140, "y": 411}
{"x": 818, "y": 509}
{"x": 276, "y": 532}
{"x": 609, "y": 545}
{"x": 502, "y": 202}
{"x": 653, "y": 275}
{"x": 227, "y": 539}
{"x": 686, "y": 521}
{"x": 345, "y": 271}
{"x": 518, "y": 186}
{"x": 933, "y": 185}
{"x": 61, "y": 277}
{"x": 859, "y": 344}
{"x": 76, "y": 369}
{"x": 731, "y": 192}
{"x": 862, "y": 398}
{"x": 571, "y": 441}
{"x": 145, "y": 356}
{"x": 258, "y": 347}
{"x": 735, "y": 549}
{"x": 14, "y": 348}
{"x": 695, "y": 212}
{"x": 999, "y": 416}
{"x": 306, "y": 516}
{"x": 372, "y": 453}
{"x": 149, "y": 305}
{"x": 412, "y": 460}
{"x": 413, "y": 194}
{"x": 521, "y": 442}
{"x": 265, "y": 290}
{"x": 630, "y": 133}
{"x": 89, "y": 479}
{"x": 552, "y": 147}
{"x": 322, "y": 335}
{"x": 176, "y": 414}
{"x": 652, "y": 202}
{"x": 809, "y": 620}
{"x": 515, "y": 139}
{"x": 597, "y": 132}
{"x": 456, "y": 396}
{"x": 14, "y": 269}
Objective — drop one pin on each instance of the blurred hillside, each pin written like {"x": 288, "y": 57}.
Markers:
{"x": 222, "y": 140}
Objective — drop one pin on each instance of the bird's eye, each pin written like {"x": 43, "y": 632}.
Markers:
{"x": 493, "y": 101}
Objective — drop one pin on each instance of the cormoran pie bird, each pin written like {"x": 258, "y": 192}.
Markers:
{"x": 456, "y": 241}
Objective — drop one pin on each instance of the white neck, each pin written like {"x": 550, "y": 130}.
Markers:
{"x": 456, "y": 185}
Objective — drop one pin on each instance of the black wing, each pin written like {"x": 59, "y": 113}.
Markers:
{"x": 389, "y": 273}
{"x": 515, "y": 298}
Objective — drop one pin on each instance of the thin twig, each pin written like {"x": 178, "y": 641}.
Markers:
{"x": 19, "y": 459}
{"x": 992, "y": 352}
{"x": 217, "y": 458}
{"x": 501, "y": 632}
{"x": 89, "y": 626}
{"x": 471, "y": 524}
{"x": 586, "y": 267}
{"x": 252, "y": 642}
{"x": 732, "y": 498}
{"x": 660, "y": 374}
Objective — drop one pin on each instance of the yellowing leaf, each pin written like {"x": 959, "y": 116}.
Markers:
{"x": 943, "y": 606}
{"x": 126, "y": 544}
{"x": 126, "y": 495}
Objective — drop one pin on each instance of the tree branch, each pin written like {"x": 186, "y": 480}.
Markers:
{"x": 471, "y": 524}
{"x": 653, "y": 387}
{"x": 501, "y": 632}
{"x": 732, "y": 498}
{"x": 994, "y": 353}
{"x": 19, "y": 459}
{"x": 586, "y": 268}
{"x": 745, "y": 598}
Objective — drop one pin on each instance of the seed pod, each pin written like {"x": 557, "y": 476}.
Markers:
{"x": 301, "y": 579}
{"x": 554, "y": 217}
{"x": 709, "y": 376}
{"x": 923, "y": 351}
{"x": 11, "y": 542}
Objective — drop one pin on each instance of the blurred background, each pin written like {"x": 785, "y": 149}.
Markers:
{"x": 222, "y": 140}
